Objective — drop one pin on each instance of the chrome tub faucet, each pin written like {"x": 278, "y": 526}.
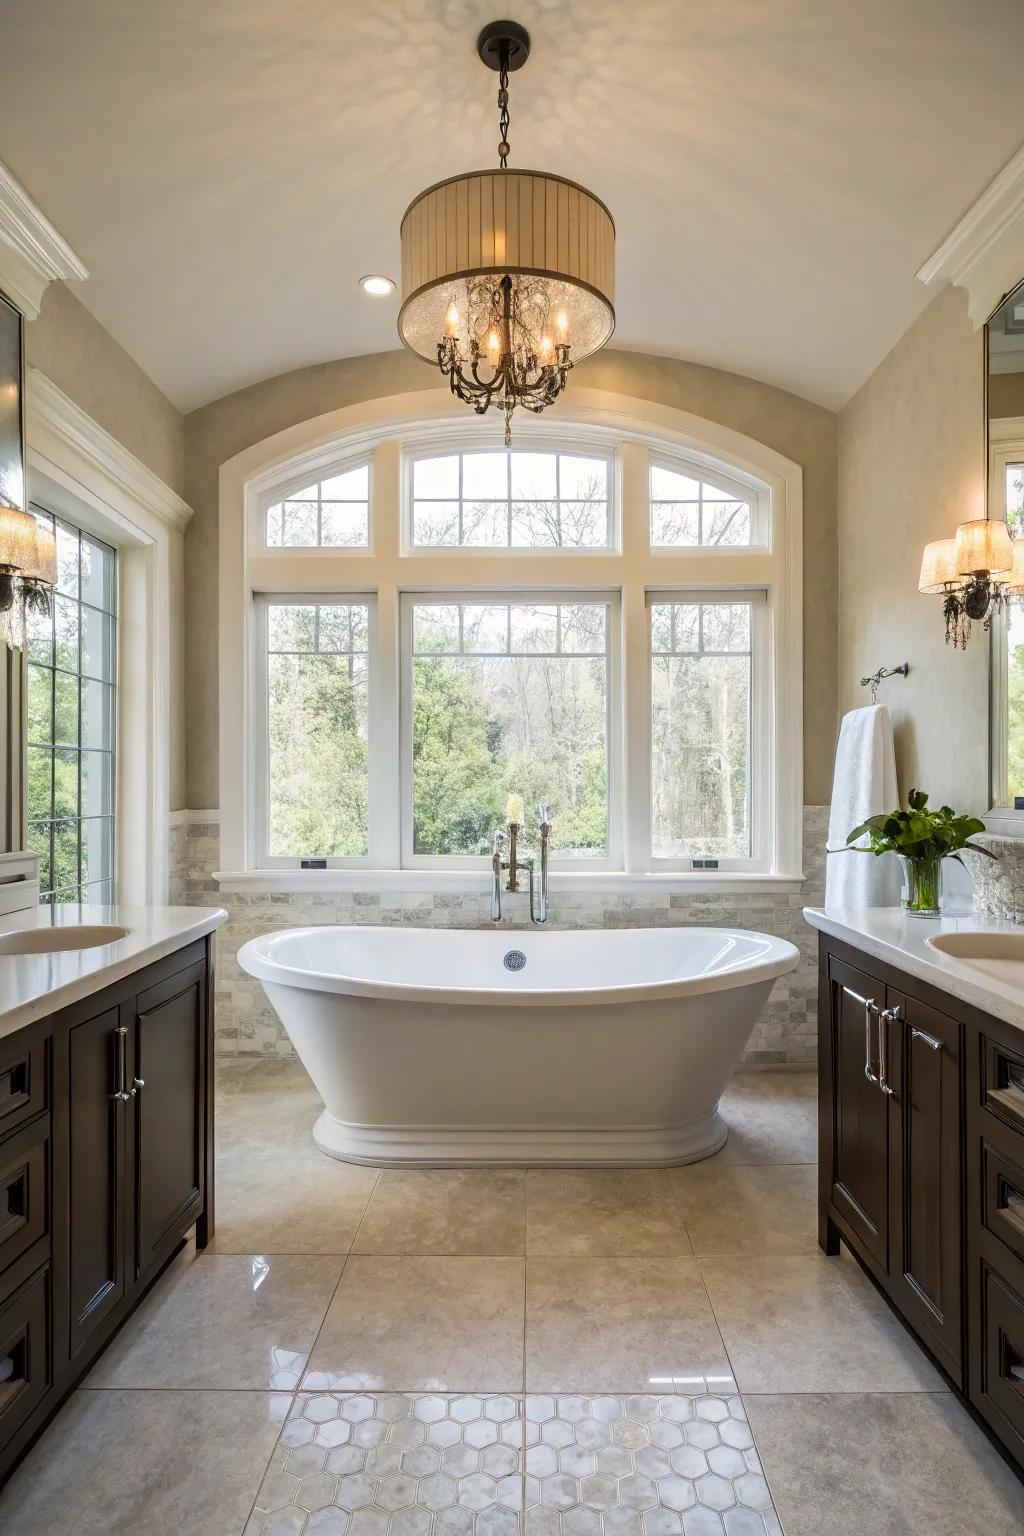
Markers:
{"x": 513, "y": 864}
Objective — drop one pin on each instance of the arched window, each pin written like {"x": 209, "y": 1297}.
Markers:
{"x": 590, "y": 619}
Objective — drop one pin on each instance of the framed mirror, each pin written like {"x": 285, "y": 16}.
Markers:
{"x": 1004, "y": 416}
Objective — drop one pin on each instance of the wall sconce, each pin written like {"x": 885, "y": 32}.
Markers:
{"x": 975, "y": 572}
{"x": 28, "y": 571}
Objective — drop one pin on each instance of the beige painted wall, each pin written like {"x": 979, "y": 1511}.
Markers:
{"x": 911, "y": 467}
{"x": 71, "y": 347}
{"x": 803, "y": 432}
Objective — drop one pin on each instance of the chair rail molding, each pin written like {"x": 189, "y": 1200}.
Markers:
{"x": 985, "y": 252}
{"x": 32, "y": 252}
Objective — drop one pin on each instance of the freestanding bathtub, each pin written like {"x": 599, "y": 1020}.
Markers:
{"x": 445, "y": 1046}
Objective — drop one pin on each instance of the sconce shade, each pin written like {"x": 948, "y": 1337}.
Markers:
{"x": 939, "y": 567}
{"x": 1012, "y": 582}
{"x": 983, "y": 545}
{"x": 17, "y": 537}
{"x": 42, "y": 563}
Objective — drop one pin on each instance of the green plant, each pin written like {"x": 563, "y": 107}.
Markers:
{"x": 919, "y": 833}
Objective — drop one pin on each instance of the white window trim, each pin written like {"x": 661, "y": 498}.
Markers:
{"x": 79, "y": 471}
{"x": 746, "y": 488}
{"x": 430, "y": 417}
{"x": 1006, "y": 446}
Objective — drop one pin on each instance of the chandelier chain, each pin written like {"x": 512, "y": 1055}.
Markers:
{"x": 503, "y": 120}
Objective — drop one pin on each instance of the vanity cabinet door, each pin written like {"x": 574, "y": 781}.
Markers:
{"x": 924, "y": 1067}
{"x": 95, "y": 1173}
{"x": 855, "y": 1163}
{"x": 168, "y": 1061}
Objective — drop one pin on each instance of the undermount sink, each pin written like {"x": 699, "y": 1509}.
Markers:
{"x": 1000, "y": 955}
{"x": 49, "y": 941}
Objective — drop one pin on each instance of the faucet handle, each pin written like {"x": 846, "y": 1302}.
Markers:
{"x": 544, "y": 813}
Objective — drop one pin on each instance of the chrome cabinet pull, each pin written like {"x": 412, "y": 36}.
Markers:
{"x": 138, "y": 1082}
{"x": 120, "y": 1092}
{"x": 885, "y": 1018}
{"x": 926, "y": 1039}
{"x": 870, "y": 1006}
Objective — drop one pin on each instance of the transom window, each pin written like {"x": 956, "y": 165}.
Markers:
{"x": 399, "y": 694}
{"x": 510, "y": 499}
{"x": 333, "y": 513}
{"x": 690, "y": 511}
{"x": 71, "y": 715}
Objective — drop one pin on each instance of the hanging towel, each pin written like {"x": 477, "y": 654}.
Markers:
{"x": 864, "y": 785}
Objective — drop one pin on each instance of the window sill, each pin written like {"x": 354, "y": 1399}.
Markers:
{"x": 562, "y": 882}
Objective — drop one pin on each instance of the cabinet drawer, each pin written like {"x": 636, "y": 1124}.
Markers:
{"x": 24, "y": 1191}
{"x": 22, "y": 1082}
{"x": 1002, "y": 1199}
{"x": 25, "y": 1362}
{"x": 1002, "y": 1088}
{"x": 1002, "y": 1359}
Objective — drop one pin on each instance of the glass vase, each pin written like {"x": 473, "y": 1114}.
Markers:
{"x": 922, "y": 885}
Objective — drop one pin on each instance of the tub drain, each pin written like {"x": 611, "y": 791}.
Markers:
{"x": 514, "y": 960}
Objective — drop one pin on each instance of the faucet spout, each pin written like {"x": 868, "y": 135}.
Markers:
{"x": 544, "y": 813}
{"x": 497, "y": 848}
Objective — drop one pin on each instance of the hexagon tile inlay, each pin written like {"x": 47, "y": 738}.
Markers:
{"x": 433, "y": 1464}
{"x": 643, "y": 1466}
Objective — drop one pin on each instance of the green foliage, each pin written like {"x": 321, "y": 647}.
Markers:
{"x": 919, "y": 833}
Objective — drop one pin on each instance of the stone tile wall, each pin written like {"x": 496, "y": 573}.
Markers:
{"x": 785, "y": 1033}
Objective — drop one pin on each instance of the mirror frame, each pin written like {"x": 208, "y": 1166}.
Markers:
{"x": 1001, "y": 811}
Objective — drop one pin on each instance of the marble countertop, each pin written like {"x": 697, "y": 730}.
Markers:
{"x": 32, "y": 986}
{"x": 889, "y": 934}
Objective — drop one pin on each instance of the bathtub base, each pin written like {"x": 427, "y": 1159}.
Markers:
{"x": 438, "y": 1146}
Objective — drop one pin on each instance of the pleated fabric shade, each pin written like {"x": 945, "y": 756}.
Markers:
{"x": 485, "y": 224}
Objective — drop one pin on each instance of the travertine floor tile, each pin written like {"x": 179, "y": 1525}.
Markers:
{"x": 619, "y": 1325}
{"x": 812, "y": 1324}
{"x": 446, "y": 1211}
{"x": 643, "y": 1466}
{"x": 748, "y": 1210}
{"x": 266, "y": 1110}
{"x": 603, "y": 1213}
{"x": 772, "y": 1118}
{"x": 911, "y": 1464}
{"x": 404, "y": 1465}
{"x": 223, "y": 1321}
{"x": 162, "y": 1463}
{"x": 432, "y": 1324}
{"x": 292, "y": 1205}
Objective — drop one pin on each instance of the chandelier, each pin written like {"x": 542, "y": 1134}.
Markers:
{"x": 507, "y": 276}
{"x": 974, "y": 573}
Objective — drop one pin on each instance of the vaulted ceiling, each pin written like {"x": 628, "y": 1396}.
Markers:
{"x": 777, "y": 169}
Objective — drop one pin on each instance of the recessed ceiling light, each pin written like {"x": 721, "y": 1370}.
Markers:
{"x": 380, "y": 287}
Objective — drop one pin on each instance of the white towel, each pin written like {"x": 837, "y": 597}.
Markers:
{"x": 864, "y": 785}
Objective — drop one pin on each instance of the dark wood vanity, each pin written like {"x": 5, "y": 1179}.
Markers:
{"x": 921, "y": 1134}
{"x": 106, "y": 1146}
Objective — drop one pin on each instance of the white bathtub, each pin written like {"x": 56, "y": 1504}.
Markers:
{"x": 607, "y": 1046}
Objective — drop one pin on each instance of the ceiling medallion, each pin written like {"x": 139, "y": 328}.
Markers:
{"x": 507, "y": 276}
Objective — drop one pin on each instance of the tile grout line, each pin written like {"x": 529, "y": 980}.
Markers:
{"x": 298, "y": 1385}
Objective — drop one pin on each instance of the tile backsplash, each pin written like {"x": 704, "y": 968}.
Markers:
{"x": 785, "y": 1033}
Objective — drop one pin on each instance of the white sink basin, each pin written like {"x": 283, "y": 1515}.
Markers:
{"x": 49, "y": 941}
{"x": 1000, "y": 955}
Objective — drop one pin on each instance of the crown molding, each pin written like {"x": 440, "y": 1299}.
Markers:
{"x": 51, "y": 408}
{"x": 32, "y": 253}
{"x": 985, "y": 252}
